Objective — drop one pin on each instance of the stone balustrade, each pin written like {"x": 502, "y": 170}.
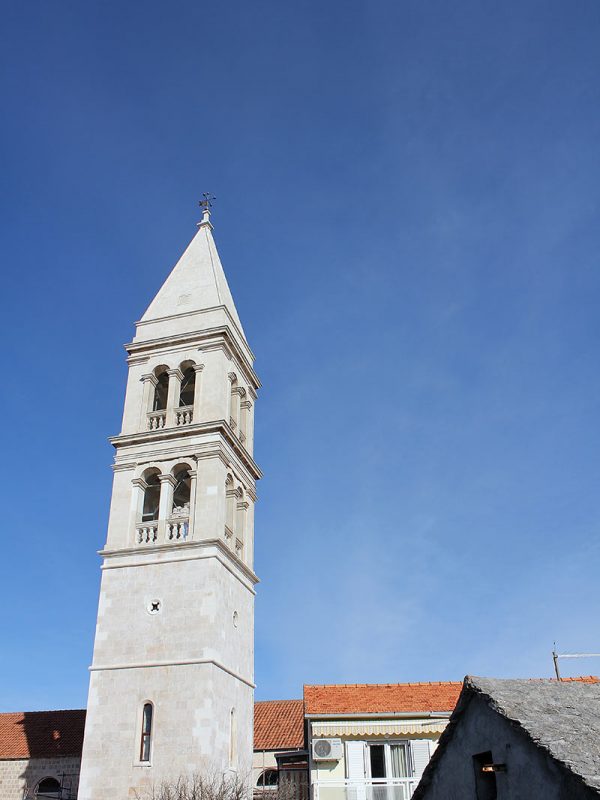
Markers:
{"x": 177, "y": 529}
{"x": 156, "y": 420}
{"x": 146, "y": 533}
{"x": 184, "y": 415}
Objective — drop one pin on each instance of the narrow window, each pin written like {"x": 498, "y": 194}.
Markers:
{"x": 146, "y": 738}
{"x": 377, "y": 756}
{"x": 161, "y": 392}
{"x": 188, "y": 387}
{"x": 399, "y": 760}
{"x": 230, "y": 507}
{"x": 151, "y": 498}
{"x": 485, "y": 781}
{"x": 234, "y": 403}
{"x": 232, "y": 739}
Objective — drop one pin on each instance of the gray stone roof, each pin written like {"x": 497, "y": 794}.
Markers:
{"x": 560, "y": 717}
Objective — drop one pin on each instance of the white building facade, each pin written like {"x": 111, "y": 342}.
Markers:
{"x": 373, "y": 741}
{"x": 171, "y": 684}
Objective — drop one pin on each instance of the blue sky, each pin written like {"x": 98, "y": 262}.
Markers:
{"x": 408, "y": 204}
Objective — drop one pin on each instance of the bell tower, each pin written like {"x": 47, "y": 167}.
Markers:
{"x": 171, "y": 683}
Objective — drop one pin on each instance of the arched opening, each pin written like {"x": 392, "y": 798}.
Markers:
{"x": 48, "y": 788}
{"x": 230, "y": 507}
{"x": 146, "y": 736}
{"x": 234, "y": 402}
{"x": 188, "y": 387}
{"x": 151, "y": 497}
{"x": 182, "y": 492}
{"x": 268, "y": 778}
{"x": 161, "y": 391}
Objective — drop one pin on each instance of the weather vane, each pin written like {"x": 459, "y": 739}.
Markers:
{"x": 206, "y": 202}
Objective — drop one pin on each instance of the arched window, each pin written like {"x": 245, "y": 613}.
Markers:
{"x": 161, "y": 392}
{"x": 188, "y": 387}
{"x": 181, "y": 492}
{"x": 146, "y": 737}
{"x": 270, "y": 777}
{"x": 234, "y": 402}
{"x": 151, "y": 498}
{"x": 230, "y": 507}
{"x": 48, "y": 787}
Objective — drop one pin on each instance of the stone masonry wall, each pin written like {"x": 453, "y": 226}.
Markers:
{"x": 16, "y": 775}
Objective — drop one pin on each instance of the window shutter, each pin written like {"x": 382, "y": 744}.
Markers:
{"x": 355, "y": 760}
{"x": 420, "y": 755}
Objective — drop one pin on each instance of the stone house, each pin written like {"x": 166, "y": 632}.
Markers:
{"x": 40, "y": 751}
{"x": 40, "y": 754}
{"x": 279, "y": 741}
{"x": 371, "y": 741}
{"x": 519, "y": 740}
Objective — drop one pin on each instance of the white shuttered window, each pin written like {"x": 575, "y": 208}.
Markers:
{"x": 355, "y": 760}
{"x": 398, "y": 759}
{"x": 420, "y": 755}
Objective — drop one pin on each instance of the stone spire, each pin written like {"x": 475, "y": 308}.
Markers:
{"x": 197, "y": 283}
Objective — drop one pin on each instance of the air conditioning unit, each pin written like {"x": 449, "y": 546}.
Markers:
{"x": 327, "y": 749}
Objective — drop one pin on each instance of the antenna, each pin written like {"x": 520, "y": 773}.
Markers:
{"x": 556, "y": 656}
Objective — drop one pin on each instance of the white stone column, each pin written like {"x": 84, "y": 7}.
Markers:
{"x": 234, "y": 403}
{"x": 150, "y": 380}
{"x": 230, "y": 499}
{"x": 175, "y": 378}
{"x": 136, "y": 506}
{"x": 193, "y": 489}
{"x": 245, "y": 424}
{"x": 165, "y": 506}
{"x": 249, "y": 530}
{"x": 197, "y": 412}
{"x": 240, "y": 528}
{"x": 216, "y": 389}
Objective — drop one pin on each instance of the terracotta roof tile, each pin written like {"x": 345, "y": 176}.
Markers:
{"x": 377, "y": 698}
{"x": 278, "y": 724}
{"x": 41, "y": 734}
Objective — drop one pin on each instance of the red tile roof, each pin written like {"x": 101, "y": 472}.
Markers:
{"x": 379, "y": 698}
{"x": 41, "y": 734}
{"x": 278, "y": 724}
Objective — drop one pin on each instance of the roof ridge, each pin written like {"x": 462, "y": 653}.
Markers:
{"x": 45, "y": 711}
{"x": 379, "y": 685}
{"x": 288, "y": 700}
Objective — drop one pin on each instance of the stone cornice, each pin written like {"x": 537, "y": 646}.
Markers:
{"x": 186, "y": 662}
{"x": 185, "y": 432}
{"x": 195, "y": 312}
{"x": 183, "y": 551}
{"x": 205, "y": 339}
{"x": 135, "y": 360}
